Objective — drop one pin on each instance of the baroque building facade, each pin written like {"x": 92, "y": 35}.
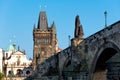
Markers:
{"x": 15, "y": 63}
{"x": 45, "y": 40}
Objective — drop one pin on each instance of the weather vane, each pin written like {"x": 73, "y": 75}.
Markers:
{"x": 14, "y": 37}
{"x": 105, "y": 13}
{"x": 40, "y": 7}
{"x": 10, "y": 41}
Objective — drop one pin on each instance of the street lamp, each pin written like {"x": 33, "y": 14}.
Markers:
{"x": 105, "y": 13}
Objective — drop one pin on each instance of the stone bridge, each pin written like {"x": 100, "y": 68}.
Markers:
{"x": 85, "y": 59}
{"x": 91, "y": 54}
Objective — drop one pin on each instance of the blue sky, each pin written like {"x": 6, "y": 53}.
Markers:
{"x": 17, "y": 18}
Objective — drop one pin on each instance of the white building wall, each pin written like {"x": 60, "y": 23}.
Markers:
{"x": 8, "y": 53}
{"x": 1, "y": 57}
{"x": 12, "y": 62}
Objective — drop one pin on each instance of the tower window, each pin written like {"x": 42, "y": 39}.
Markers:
{"x": 39, "y": 41}
{"x": 46, "y": 41}
{"x": 42, "y": 48}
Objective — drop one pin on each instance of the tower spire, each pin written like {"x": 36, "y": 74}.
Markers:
{"x": 42, "y": 22}
{"x": 53, "y": 27}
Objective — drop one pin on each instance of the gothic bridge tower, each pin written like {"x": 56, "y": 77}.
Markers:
{"x": 45, "y": 40}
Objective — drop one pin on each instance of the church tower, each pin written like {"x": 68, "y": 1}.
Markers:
{"x": 45, "y": 41}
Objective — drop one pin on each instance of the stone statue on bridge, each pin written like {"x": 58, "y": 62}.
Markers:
{"x": 78, "y": 28}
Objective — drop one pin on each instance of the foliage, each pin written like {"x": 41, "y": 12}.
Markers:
{"x": 2, "y": 76}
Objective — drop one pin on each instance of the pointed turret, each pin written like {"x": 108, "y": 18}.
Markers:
{"x": 42, "y": 22}
{"x": 53, "y": 27}
{"x": 34, "y": 27}
{"x": 78, "y": 28}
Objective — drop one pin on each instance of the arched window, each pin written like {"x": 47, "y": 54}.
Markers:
{"x": 10, "y": 73}
{"x": 27, "y": 72}
{"x": 19, "y": 72}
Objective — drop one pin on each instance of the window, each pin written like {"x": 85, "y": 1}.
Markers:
{"x": 27, "y": 72}
{"x": 6, "y": 55}
{"x": 46, "y": 41}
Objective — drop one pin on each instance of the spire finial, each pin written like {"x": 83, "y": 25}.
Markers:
{"x": 14, "y": 37}
{"x": 43, "y": 6}
{"x": 40, "y": 7}
{"x": 105, "y": 13}
{"x": 10, "y": 41}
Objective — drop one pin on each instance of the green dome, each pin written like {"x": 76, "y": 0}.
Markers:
{"x": 11, "y": 47}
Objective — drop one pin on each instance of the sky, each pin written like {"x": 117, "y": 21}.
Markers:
{"x": 17, "y": 18}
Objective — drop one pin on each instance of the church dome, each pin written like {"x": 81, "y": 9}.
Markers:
{"x": 11, "y": 47}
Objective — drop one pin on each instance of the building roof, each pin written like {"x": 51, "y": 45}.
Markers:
{"x": 42, "y": 22}
{"x": 11, "y": 47}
